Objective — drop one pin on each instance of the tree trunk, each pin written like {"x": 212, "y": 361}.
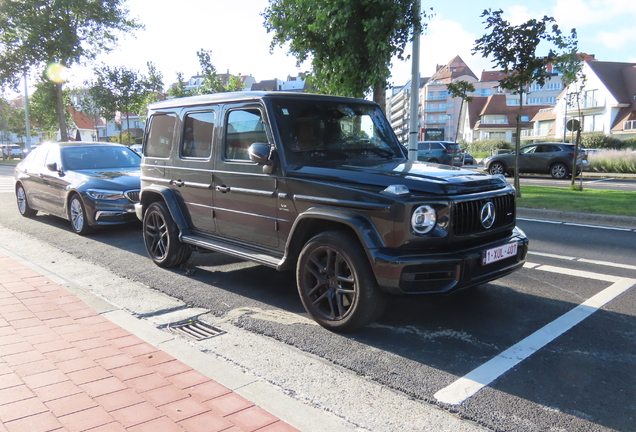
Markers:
{"x": 379, "y": 94}
{"x": 61, "y": 117}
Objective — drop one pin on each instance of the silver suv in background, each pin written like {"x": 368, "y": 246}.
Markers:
{"x": 443, "y": 152}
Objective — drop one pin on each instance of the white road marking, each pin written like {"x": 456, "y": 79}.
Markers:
{"x": 575, "y": 224}
{"x": 474, "y": 381}
{"x": 6, "y": 184}
{"x": 587, "y": 261}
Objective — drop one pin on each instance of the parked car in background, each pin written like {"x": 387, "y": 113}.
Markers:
{"x": 136, "y": 148}
{"x": 468, "y": 159}
{"x": 540, "y": 158}
{"x": 443, "y": 152}
{"x": 89, "y": 184}
{"x": 11, "y": 151}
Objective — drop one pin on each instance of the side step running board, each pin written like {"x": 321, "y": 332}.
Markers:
{"x": 229, "y": 249}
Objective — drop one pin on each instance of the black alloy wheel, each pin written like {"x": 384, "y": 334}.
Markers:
{"x": 336, "y": 283}
{"x": 161, "y": 237}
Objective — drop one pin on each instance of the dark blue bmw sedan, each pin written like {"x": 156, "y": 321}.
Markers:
{"x": 90, "y": 184}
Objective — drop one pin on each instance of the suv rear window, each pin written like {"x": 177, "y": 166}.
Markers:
{"x": 454, "y": 147}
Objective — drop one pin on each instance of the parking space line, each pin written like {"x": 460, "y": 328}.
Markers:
{"x": 474, "y": 381}
{"x": 583, "y": 260}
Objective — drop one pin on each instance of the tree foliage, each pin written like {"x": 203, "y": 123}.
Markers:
{"x": 514, "y": 49}
{"x": 350, "y": 42}
{"x": 37, "y": 33}
{"x": 460, "y": 89}
{"x": 118, "y": 89}
{"x": 212, "y": 81}
{"x": 42, "y": 107}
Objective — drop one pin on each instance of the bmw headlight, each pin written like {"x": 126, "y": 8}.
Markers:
{"x": 424, "y": 219}
{"x": 104, "y": 194}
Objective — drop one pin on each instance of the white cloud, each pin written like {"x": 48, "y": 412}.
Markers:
{"x": 618, "y": 39}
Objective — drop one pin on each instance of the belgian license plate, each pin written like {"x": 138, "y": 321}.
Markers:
{"x": 499, "y": 253}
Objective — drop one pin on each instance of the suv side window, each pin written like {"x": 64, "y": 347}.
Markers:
{"x": 243, "y": 128}
{"x": 437, "y": 146}
{"x": 160, "y": 135}
{"x": 197, "y": 135}
{"x": 423, "y": 146}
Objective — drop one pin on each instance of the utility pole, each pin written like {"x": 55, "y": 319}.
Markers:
{"x": 414, "y": 127}
{"x": 27, "y": 144}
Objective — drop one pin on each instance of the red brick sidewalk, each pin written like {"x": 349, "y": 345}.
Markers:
{"x": 64, "y": 367}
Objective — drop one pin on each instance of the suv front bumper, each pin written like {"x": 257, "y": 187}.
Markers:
{"x": 416, "y": 273}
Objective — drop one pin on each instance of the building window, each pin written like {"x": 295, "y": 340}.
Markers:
{"x": 511, "y": 102}
{"x": 525, "y": 118}
{"x": 494, "y": 119}
{"x": 550, "y": 100}
{"x": 536, "y": 87}
{"x": 535, "y": 101}
{"x": 554, "y": 86}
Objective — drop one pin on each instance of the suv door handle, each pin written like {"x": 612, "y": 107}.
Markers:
{"x": 178, "y": 182}
{"x": 222, "y": 189}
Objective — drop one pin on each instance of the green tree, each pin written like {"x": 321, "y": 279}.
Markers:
{"x": 460, "y": 89}
{"x": 154, "y": 89}
{"x": 571, "y": 67}
{"x": 212, "y": 82}
{"x": 350, "y": 42}
{"x": 179, "y": 89}
{"x": 514, "y": 49}
{"x": 42, "y": 108}
{"x": 35, "y": 34}
{"x": 118, "y": 89}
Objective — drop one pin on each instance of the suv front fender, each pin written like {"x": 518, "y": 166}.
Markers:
{"x": 319, "y": 219}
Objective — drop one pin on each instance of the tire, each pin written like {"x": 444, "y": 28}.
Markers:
{"x": 161, "y": 237}
{"x": 23, "y": 204}
{"x": 77, "y": 216}
{"x": 497, "y": 168}
{"x": 559, "y": 171}
{"x": 336, "y": 284}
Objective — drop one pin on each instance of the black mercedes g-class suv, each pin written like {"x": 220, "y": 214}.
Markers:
{"x": 320, "y": 185}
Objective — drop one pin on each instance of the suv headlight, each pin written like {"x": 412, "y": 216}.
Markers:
{"x": 104, "y": 194}
{"x": 424, "y": 219}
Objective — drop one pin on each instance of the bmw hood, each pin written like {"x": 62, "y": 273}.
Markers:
{"x": 418, "y": 177}
{"x": 115, "y": 179}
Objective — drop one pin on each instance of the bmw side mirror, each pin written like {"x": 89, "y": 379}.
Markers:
{"x": 52, "y": 166}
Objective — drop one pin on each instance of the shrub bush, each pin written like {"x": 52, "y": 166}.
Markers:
{"x": 600, "y": 141}
{"x": 629, "y": 144}
{"x": 490, "y": 145}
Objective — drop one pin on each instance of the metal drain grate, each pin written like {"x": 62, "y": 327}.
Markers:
{"x": 196, "y": 330}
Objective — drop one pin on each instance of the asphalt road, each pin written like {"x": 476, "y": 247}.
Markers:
{"x": 529, "y": 352}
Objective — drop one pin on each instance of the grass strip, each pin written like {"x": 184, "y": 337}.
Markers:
{"x": 595, "y": 201}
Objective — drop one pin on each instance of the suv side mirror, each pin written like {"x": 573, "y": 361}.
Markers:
{"x": 261, "y": 153}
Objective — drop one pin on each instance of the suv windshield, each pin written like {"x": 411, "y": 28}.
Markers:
{"x": 334, "y": 130}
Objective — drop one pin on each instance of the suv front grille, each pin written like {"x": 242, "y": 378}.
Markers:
{"x": 132, "y": 195}
{"x": 467, "y": 218}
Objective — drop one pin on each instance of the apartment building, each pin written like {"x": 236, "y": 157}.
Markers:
{"x": 399, "y": 109}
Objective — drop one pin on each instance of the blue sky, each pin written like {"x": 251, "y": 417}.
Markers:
{"x": 239, "y": 43}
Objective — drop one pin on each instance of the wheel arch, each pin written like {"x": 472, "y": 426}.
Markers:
{"x": 317, "y": 220}
{"x": 159, "y": 193}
